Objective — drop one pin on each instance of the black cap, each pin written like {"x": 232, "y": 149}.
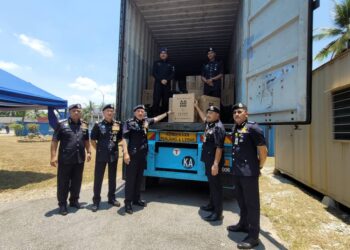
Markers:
{"x": 108, "y": 106}
{"x": 163, "y": 49}
{"x": 74, "y": 106}
{"x": 239, "y": 106}
{"x": 211, "y": 49}
{"x": 214, "y": 109}
{"x": 139, "y": 107}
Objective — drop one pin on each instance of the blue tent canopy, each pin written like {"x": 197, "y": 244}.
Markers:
{"x": 17, "y": 94}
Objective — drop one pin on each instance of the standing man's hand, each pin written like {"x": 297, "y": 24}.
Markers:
{"x": 126, "y": 158}
{"x": 164, "y": 82}
{"x": 214, "y": 169}
{"x": 88, "y": 158}
{"x": 210, "y": 82}
{"x": 53, "y": 162}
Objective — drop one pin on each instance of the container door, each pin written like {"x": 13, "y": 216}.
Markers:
{"x": 277, "y": 61}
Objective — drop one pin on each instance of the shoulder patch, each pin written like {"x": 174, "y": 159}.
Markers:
{"x": 63, "y": 121}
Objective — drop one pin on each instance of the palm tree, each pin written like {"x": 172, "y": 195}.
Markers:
{"x": 341, "y": 32}
{"x": 88, "y": 111}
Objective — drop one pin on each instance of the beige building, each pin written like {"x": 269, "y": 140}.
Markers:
{"x": 318, "y": 154}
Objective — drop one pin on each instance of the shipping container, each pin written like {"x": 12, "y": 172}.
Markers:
{"x": 265, "y": 44}
{"x": 318, "y": 154}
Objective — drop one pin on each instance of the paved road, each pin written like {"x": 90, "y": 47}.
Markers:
{"x": 171, "y": 221}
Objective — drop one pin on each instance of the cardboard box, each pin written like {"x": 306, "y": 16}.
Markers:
{"x": 150, "y": 83}
{"x": 171, "y": 116}
{"x": 227, "y": 97}
{"x": 183, "y": 108}
{"x": 199, "y": 82}
{"x": 197, "y": 92}
{"x": 147, "y": 96}
{"x": 228, "y": 81}
{"x": 190, "y": 82}
{"x": 205, "y": 102}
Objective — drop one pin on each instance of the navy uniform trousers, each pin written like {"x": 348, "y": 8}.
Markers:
{"x": 69, "y": 178}
{"x": 100, "y": 168}
{"x": 215, "y": 187}
{"x": 134, "y": 176}
{"x": 247, "y": 193}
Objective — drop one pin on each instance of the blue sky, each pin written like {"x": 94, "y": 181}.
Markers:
{"x": 70, "y": 48}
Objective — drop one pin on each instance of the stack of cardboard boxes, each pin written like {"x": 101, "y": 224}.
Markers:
{"x": 227, "y": 91}
{"x": 147, "y": 95}
{"x": 194, "y": 85}
{"x": 182, "y": 105}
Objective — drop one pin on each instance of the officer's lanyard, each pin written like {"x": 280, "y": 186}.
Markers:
{"x": 239, "y": 134}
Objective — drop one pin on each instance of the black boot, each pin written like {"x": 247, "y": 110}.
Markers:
{"x": 128, "y": 208}
{"x": 214, "y": 217}
{"x": 208, "y": 208}
{"x": 63, "y": 210}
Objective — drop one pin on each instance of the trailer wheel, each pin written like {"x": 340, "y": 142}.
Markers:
{"x": 152, "y": 181}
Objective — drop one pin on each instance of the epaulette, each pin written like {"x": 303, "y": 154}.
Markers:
{"x": 251, "y": 122}
{"x": 63, "y": 120}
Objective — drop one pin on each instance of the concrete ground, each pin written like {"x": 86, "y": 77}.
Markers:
{"x": 172, "y": 220}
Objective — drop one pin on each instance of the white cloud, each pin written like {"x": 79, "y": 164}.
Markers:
{"x": 38, "y": 45}
{"x": 77, "y": 99}
{"x": 93, "y": 91}
{"x": 83, "y": 83}
{"x": 8, "y": 66}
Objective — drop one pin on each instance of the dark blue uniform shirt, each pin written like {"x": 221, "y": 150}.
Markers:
{"x": 212, "y": 69}
{"x": 214, "y": 137}
{"x": 72, "y": 137}
{"x": 135, "y": 131}
{"x": 245, "y": 140}
{"x": 107, "y": 135}
{"x": 163, "y": 70}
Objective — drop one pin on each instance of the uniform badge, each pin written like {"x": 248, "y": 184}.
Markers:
{"x": 244, "y": 130}
{"x": 84, "y": 126}
{"x": 115, "y": 128}
{"x": 103, "y": 129}
{"x": 145, "y": 126}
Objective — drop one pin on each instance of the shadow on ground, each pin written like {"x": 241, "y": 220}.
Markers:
{"x": 17, "y": 179}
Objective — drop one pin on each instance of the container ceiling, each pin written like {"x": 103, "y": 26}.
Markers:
{"x": 188, "y": 27}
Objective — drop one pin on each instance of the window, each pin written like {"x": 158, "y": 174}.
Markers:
{"x": 341, "y": 114}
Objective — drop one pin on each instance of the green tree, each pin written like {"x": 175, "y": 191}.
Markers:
{"x": 88, "y": 111}
{"x": 33, "y": 128}
{"x": 18, "y": 128}
{"x": 340, "y": 33}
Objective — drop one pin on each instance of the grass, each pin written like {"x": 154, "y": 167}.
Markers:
{"x": 26, "y": 166}
{"x": 300, "y": 219}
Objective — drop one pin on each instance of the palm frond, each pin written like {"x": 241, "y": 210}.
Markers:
{"x": 328, "y": 32}
{"x": 342, "y": 13}
{"x": 323, "y": 54}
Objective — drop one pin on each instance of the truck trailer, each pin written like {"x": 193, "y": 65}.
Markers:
{"x": 264, "y": 44}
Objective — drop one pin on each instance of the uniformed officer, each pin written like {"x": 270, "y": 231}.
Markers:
{"x": 212, "y": 156}
{"x": 105, "y": 137}
{"x": 73, "y": 136}
{"x": 249, "y": 153}
{"x": 163, "y": 73}
{"x": 135, "y": 154}
{"x": 212, "y": 73}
